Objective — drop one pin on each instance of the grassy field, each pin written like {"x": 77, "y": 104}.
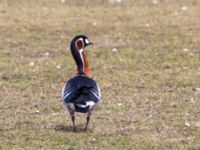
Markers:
{"x": 146, "y": 59}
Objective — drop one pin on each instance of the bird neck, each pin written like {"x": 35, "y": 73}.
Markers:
{"x": 82, "y": 65}
{"x": 86, "y": 69}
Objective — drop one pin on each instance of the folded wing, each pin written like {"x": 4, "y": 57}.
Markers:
{"x": 81, "y": 91}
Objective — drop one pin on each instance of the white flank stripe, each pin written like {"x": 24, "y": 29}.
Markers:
{"x": 99, "y": 91}
{"x": 63, "y": 90}
{"x": 95, "y": 94}
{"x": 66, "y": 95}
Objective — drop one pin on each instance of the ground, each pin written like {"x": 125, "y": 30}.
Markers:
{"x": 146, "y": 59}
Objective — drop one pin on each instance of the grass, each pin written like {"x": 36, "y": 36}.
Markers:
{"x": 147, "y": 97}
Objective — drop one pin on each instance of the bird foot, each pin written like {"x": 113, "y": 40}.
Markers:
{"x": 86, "y": 129}
{"x": 75, "y": 130}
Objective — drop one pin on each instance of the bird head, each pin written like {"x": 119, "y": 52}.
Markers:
{"x": 78, "y": 45}
{"x": 79, "y": 42}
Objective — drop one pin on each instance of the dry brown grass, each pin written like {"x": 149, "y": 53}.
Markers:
{"x": 147, "y": 96}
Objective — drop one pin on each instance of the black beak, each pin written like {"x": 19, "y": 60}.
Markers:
{"x": 91, "y": 43}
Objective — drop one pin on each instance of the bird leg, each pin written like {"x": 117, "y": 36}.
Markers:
{"x": 73, "y": 121}
{"x": 72, "y": 114}
{"x": 88, "y": 119}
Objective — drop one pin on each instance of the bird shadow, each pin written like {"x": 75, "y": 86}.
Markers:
{"x": 65, "y": 128}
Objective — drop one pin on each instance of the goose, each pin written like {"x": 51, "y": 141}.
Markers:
{"x": 80, "y": 93}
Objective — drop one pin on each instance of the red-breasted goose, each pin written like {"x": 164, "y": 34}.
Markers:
{"x": 81, "y": 93}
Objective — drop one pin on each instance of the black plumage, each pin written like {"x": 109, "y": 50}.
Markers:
{"x": 79, "y": 90}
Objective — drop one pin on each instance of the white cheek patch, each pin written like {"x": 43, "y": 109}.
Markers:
{"x": 87, "y": 41}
